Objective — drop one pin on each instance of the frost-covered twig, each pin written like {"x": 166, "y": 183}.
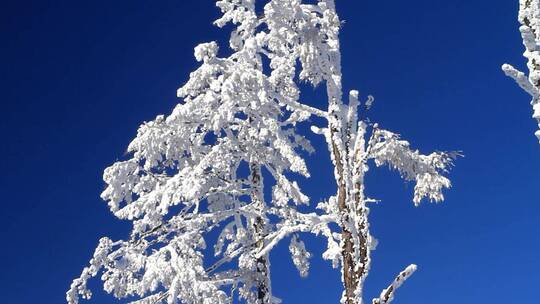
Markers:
{"x": 520, "y": 78}
{"x": 387, "y": 295}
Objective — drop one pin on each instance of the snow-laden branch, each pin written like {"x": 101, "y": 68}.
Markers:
{"x": 387, "y": 295}
{"x": 521, "y": 79}
{"x": 427, "y": 171}
{"x": 295, "y": 105}
{"x": 529, "y": 18}
{"x": 304, "y": 223}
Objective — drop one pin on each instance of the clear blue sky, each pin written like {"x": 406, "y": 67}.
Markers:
{"x": 78, "y": 77}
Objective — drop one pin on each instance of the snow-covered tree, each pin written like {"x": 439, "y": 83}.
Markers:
{"x": 195, "y": 177}
{"x": 529, "y": 18}
{"x": 198, "y": 171}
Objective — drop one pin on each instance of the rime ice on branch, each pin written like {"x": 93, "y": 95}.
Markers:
{"x": 529, "y": 18}
{"x": 199, "y": 171}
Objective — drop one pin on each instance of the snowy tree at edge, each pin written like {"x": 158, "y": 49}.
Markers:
{"x": 529, "y": 18}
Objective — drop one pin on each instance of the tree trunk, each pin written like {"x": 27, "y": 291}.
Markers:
{"x": 349, "y": 275}
{"x": 355, "y": 261}
{"x": 264, "y": 293}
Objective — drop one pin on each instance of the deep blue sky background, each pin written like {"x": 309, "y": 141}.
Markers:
{"x": 78, "y": 77}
